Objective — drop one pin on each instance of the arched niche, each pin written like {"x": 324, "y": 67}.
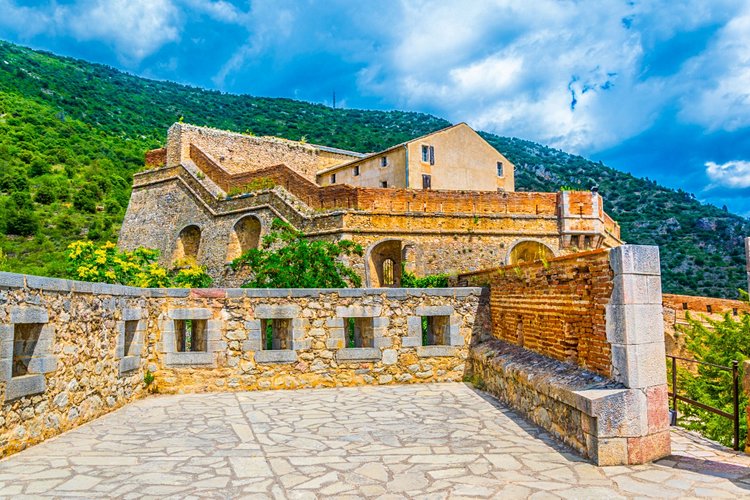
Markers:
{"x": 244, "y": 235}
{"x": 188, "y": 244}
{"x": 384, "y": 264}
{"x": 529, "y": 251}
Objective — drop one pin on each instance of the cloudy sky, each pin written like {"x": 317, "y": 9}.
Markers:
{"x": 657, "y": 88}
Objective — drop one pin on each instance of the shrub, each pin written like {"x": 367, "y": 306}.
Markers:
{"x": 410, "y": 280}
{"x": 287, "y": 260}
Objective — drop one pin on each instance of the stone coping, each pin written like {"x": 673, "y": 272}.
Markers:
{"x": 14, "y": 280}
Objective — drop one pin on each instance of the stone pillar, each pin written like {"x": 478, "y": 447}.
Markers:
{"x": 635, "y": 330}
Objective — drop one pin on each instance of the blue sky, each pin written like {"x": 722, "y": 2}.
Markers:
{"x": 657, "y": 88}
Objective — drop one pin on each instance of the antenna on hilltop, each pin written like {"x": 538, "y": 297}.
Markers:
{"x": 334, "y": 99}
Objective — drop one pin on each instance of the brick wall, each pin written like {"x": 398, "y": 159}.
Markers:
{"x": 556, "y": 309}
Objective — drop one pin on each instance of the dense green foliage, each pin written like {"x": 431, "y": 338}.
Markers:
{"x": 288, "y": 260}
{"x": 411, "y": 280}
{"x": 107, "y": 264}
{"x": 718, "y": 342}
{"x": 72, "y": 133}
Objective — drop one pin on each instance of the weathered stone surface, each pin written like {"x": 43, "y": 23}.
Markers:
{"x": 279, "y": 356}
{"x": 358, "y": 354}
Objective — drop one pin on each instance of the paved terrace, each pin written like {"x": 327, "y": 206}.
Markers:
{"x": 423, "y": 441}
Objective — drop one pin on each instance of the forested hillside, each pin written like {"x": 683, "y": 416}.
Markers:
{"x": 72, "y": 134}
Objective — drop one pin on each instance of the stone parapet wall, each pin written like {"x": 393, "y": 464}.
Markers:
{"x": 96, "y": 342}
{"x": 555, "y": 308}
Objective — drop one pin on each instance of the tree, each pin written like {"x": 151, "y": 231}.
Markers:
{"x": 20, "y": 217}
{"x": 287, "y": 260}
{"x": 718, "y": 342}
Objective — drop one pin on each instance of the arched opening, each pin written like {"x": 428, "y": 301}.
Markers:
{"x": 385, "y": 264}
{"x": 529, "y": 251}
{"x": 244, "y": 236}
{"x": 188, "y": 244}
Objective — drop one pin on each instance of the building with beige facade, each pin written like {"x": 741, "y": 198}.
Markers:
{"x": 441, "y": 203}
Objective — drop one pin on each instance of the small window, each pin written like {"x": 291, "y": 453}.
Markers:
{"x": 356, "y": 170}
{"x": 277, "y": 334}
{"x": 426, "y": 154}
{"x": 384, "y": 161}
{"x": 426, "y": 182}
{"x": 25, "y": 342}
{"x": 130, "y": 330}
{"x": 685, "y": 306}
{"x": 734, "y": 311}
{"x": 190, "y": 335}
{"x": 587, "y": 242}
{"x": 709, "y": 309}
{"x": 500, "y": 172}
{"x": 432, "y": 155}
{"x": 333, "y": 178}
{"x": 388, "y": 279}
{"x": 384, "y": 184}
{"x": 358, "y": 332}
{"x": 435, "y": 330}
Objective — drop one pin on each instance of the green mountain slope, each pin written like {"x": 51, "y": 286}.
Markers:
{"x": 72, "y": 133}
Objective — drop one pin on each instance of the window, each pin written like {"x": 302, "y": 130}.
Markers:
{"x": 384, "y": 184}
{"x": 25, "y": 340}
{"x": 426, "y": 182}
{"x": 500, "y": 172}
{"x": 709, "y": 310}
{"x": 358, "y": 332}
{"x": 685, "y": 305}
{"x": 384, "y": 161}
{"x": 356, "y": 170}
{"x": 190, "y": 335}
{"x": 333, "y": 178}
{"x": 131, "y": 328}
{"x": 734, "y": 311}
{"x": 425, "y": 154}
{"x": 435, "y": 330}
{"x": 276, "y": 334}
{"x": 388, "y": 276}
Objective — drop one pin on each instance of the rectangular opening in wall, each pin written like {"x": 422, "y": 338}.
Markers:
{"x": 709, "y": 310}
{"x": 25, "y": 343}
{"x": 276, "y": 334}
{"x": 130, "y": 332}
{"x": 190, "y": 335}
{"x": 500, "y": 172}
{"x": 356, "y": 170}
{"x": 358, "y": 332}
{"x": 435, "y": 330}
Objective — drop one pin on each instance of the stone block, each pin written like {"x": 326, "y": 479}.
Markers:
{"x": 636, "y": 289}
{"x": 635, "y": 259}
{"x": 253, "y": 324}
{"x": 380, "y": 322}
{"x": 42, "y": 365}
{"x": 11, "y": 280}
{"x": 414, "y": 326}
{"x": 646, "y": 449}
{"x": 607, "y": 451}
{"x": 634, "y": 323}
{"x": 132, "y": 314}
{"x": 434, "y": 310}
{"x": 26, "y": 385}
{"x": 657, "y": 400}
{"x": 390, "y": 357}
{"x": 84, "y": 287}
{"x": 336, "y": 333}
{"x": 189, "y": 358}
{"x": 358, "y": 354}
{"x": 129, "y": 363}
{"x": 638, "y": 366}
{"x": 267, "y": 311}
{"x": 251, "y": 345}
{"x": 278, "y": 356}
{"x": 335, "y": 322}
{"x": 455, "y": 337}
{"x": 351, "y": 292}
{"x": 302, "y": 345}
{"x": 175, "y": 293}
{"x": 28, "y": 314}
{"x": 235, "y": 293}
{"x": 191, "y": 313}
{"x": 6, "y": 369}
{"x": 49, "y": 284}
{"x": 395, "y": 293}
{"x": 436, "y": 351}
{"x": 618, "y": 412}
{"x": 358, "y": 311}
{"x": 214, "y": 345}
{"x": 337, "y": 343}
{"x": 412, "y": 341}
{"x": 380, "y": 341}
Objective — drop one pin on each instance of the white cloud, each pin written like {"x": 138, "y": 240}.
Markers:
{"x": 134, "y": 28}
{"x": 732, "y": 174}
{"x": 218, "y": 10}
{"x": 26, "y": 21}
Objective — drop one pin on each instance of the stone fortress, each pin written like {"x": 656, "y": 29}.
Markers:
{"x": 441, "y": 203}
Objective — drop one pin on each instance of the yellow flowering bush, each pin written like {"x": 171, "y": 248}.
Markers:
{"x": 107, "y": 264}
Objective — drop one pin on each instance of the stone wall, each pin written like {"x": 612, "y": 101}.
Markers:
{"x": 85, "y": 348}
{"x": 577, "y": 345}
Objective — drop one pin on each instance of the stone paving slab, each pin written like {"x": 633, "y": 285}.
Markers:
{"x": 421, "y": 441}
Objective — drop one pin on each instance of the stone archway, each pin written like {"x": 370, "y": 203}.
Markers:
{"x": 528, "y": 251}
{"x": 244, "y": 235}
{"x": 383, "y": 264}
{"x": 188, "y": 244}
